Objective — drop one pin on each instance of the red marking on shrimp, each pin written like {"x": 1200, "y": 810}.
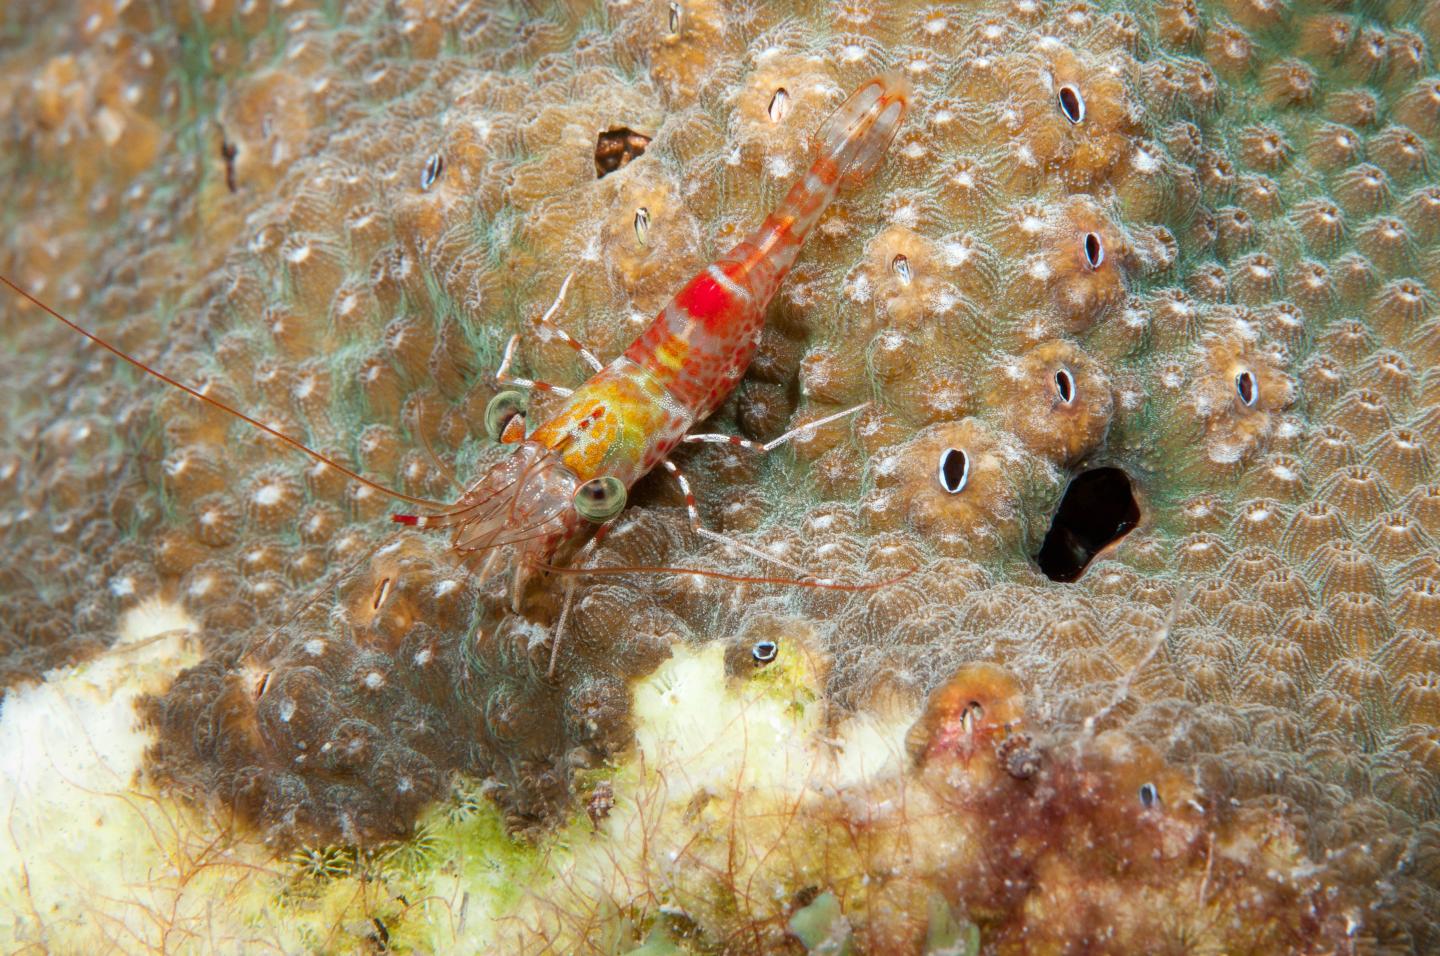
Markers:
{"x": 704, "y": 299}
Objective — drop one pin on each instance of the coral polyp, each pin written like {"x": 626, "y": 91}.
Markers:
{"x": 1142, "y": 314}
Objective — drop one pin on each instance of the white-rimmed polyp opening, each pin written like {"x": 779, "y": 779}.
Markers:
{"x": 954, "y": 470}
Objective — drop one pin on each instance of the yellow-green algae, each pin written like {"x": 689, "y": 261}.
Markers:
{"x": 738, "y": 800}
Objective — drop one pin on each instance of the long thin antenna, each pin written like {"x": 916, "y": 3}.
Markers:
{"x": 216, "y": 403}
{"x": 819, "y": 584}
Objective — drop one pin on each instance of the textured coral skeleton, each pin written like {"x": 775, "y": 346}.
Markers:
{"x": 1195, "y": 243}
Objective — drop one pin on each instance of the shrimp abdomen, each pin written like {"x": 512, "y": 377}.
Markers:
{"x": 703, "y": 341}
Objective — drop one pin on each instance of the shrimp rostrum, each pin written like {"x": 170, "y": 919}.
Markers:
{"x": 574, "y": 470}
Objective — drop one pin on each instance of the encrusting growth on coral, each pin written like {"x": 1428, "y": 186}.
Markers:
{"x": 1179, "y": 261}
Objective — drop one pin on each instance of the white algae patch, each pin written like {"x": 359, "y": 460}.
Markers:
{"x": 94, "y": 861}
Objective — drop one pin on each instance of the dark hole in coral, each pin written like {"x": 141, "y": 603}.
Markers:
{"x": 1149, "y": 795}
{"x": 1094, "y": 250}
{"x": 381, "y": 935}
{"x": 614, "y": 148}
{"x": 1098, "y": 509}
{"x": 642, "y": 225}
{"x": 1247, "y": 388}
{"x": 676, "y": 18}
{"x": 764, "y": 652}
{"x": 954, "y": 471}
{"x": 1071, "y": 103}
{"x": 1065, "y": 385}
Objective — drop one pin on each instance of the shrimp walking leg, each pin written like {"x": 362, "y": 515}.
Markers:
{"x": 696, "y": 525}
{"x": 503, "y": 376}
{"x": 715, "y": 438}
{"x": 582, "y": 560}
{"x": 546, "y": 327}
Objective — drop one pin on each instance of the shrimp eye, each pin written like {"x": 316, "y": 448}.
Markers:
{"x": 954, "y": 470}
{"x": 503, "y": 409}
{"x": 1065, "y": 386}
{"x": 1149, "y": 796}
{"x": 1247, "y": 388}
{"x": 1072, "y": 104}
{"x": 1094, "y": 250}
{"x": 600, "y": 499}
{"x": 763, "y": 652}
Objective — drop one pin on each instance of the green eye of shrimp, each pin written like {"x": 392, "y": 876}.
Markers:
{"x": 503, "y": 408}
{"x": 600, "y": 499}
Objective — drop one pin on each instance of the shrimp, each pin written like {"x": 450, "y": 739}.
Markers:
{"x": 564, "y": 483}
{"x": 574, "y": 471}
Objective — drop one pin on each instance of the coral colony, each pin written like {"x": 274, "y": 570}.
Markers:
{"x": 1139, "y": 313}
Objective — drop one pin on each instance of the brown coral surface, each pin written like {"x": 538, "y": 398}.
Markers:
{"x": 1200, "y": 245}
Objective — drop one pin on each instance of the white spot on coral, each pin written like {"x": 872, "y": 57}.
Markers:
{"x": 858, "y": 290}
{"x": 957, "y": 252}
{"x": 778, "y": 167}
{"x": 1224, "y": 453}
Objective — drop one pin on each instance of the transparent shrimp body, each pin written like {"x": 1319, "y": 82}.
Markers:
{"x": 628, "y": 417}
{"x": 574, "y": 471}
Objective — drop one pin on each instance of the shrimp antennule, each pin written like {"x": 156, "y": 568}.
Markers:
{"x": 820, "y": 584}
{"x": 216, "y": 403}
